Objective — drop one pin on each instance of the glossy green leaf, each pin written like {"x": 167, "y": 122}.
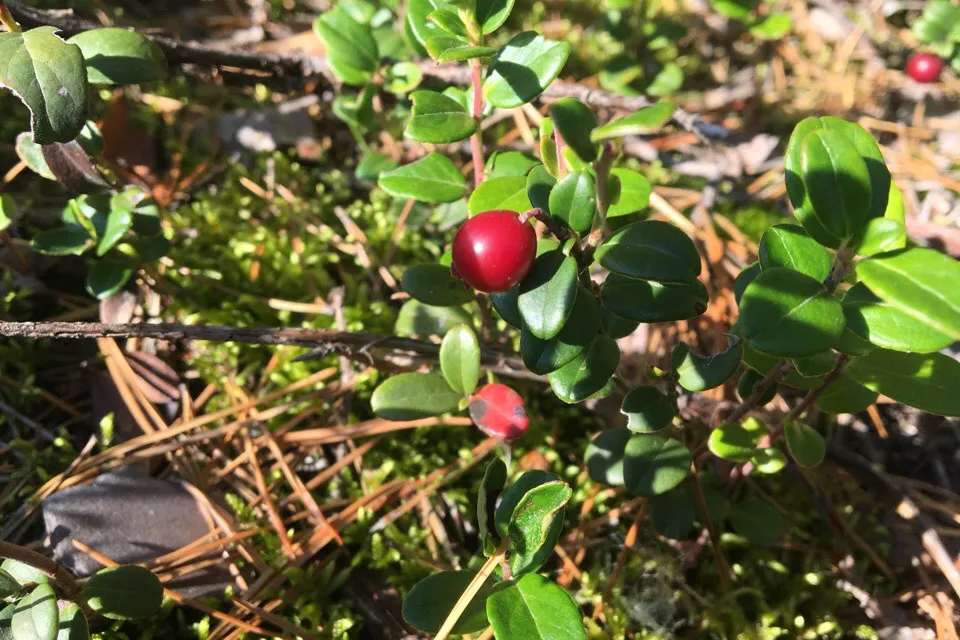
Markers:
{"x": 815, "y": 366}
{"x": 23, "y": 573}
{"x": 120, "y": 56}
{"x": 574, "y": 121}
{"x": 411, "y": 396}
{"x": 437, "y": 119}
{"x": 699, "y": 373}
{"x": 769, "y": 460}
{"x": 507, "y": 305}
{"x": 885, "y": 325}
{"x": 534, "y": 608}
{"x": 106, "y": 277}
{"x": 420, "y": 26}
{"x": 881, "y": 186}
{"x": 512, "y": 496}
{"x": 731, "y": 442}
{"x": 548, "y": 147}
{"x": 494, "y": 480}
{"x": 118, "y": 223}
{"x": 772, "y": 26}
{"x": 510, "y": 163}
{"x": 573, "y": 201}
{"x": 587, "y": 373}
{"x": 544, "y": 356}
{"x": 615, "y": 326}
{"x": 654, "y": 464}
{"x": 36, "y": 617}
{"x": 925, "y": 381}
{"x": 535, "y": 514}
{"x": 648, "y": 301}
{"x": 491, "y": 14}
{"x": 351, "y": 48}
{"x": 880, "y": 235}
{"x": 507, "y": 192}
{"x": 604, "y": 456}
{"x": 748, "y": 383}
{"x": 64, "y": 241}
{"x": 651, "y": 250}
{"x": 460, "y": 359}
{"x": 757, "y": 521}
{"x": 845, "y": 395}
{"x": 418, "y": 319}
{"x": 634, "y": 193}
{"x": 523, "y": 68}
{"x": 668, "y": 81}
{"x": 734, "y": 9}
{"x": 786, "y": 313}
{"x": 431, "y": 179}
{"x": 806, "y": 445}
{"x": 548, "y": 293}
{"x": 402, "y": 77}
{"x": 923, "y": 283}
{"x": 747, "y": 275}
{"x": 50, "y": 78}
{"x": 31, "y": 154}
{"x": 937, "y": 22}
{"x": 790, "y": 247}
{"x": 640, "y": 123}
{"x": 449, "y": 20}
{"x": 447, "y": 49}
{"x": 540, "y": 184}
{"x": 371, "y": 165}
{"x": 433, "y": 284}
{"x": 648, "y": 409}
{"x": 73, "y": 624}
{"x": 432, "y": 599}
{"x": 8, "y": 585}
{"x": 673, "y": 513}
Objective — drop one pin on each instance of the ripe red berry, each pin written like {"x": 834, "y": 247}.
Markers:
{"x": 493, "y": 251}
{"x": 499, "y": 412}
{"x": 924, "y": 67}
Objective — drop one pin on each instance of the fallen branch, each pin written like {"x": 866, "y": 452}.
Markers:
{"x": 287, "y": 68}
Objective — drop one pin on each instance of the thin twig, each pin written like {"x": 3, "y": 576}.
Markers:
{"x": 759, "y": 390}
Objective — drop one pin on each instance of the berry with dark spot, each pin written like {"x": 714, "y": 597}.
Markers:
{"x": 924, "y": 67}
{"x": 499, "y": 412}
{"x": 493, "y": 251}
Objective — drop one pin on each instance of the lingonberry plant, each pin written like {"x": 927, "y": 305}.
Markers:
{"x": 837, "y": 306}
{"x": 116, "y": 227}
{"x": 43, "y": 601}
{"x": 938, "y": 27}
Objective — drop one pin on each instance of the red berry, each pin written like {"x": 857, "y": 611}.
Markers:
{"x": 499, "y": 412}
{"x": 924, "y": 67}
{"x": 493, "y": 251}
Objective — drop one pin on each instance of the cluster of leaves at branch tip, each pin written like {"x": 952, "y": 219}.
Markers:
{"x": 35, "y": 607}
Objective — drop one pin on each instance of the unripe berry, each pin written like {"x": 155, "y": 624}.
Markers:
{"x": 924, "y": 67}
{"x": 493, "y": 251}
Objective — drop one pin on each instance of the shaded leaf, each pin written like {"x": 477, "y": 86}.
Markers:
{"x": 574, "y": 121}
{"x": 588, "y": 373}
{"x": 494, "y": 480}
{"x": 925, "y": 381}
{"x": 573, "y": 201}
{"x": 654, "y": 464}
{"x": 651, "y": 250}
{"x": 648, "y": 301}
{"x": 648, "y": 409}
{"x": 432, "y": 599}
{"x": 634, "y": 193}
{"x": 790, "y": 247}
{"x": 351, "y": 48}
{"x": 411, "y": 396}
{"x": 120, "y": 56}
{"x": 757, "y": 521}
{"x": 36, "y": 616}
{"x": 699, "y": 373}
{"x": 547, "y": 294}
{"x": 604, "y": 456}
{"x": 438, "y": 119}
{"x": 885, "y": 325}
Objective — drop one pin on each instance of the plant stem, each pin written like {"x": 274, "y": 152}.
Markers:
{"x": 7, "y": 19}
{"x": 722, "y": 567}
{"x": 467, "y": 597}
{"x": 758, "y": 390}
{"x": 808, "y": 400}
{"x": 476, "y": 140}
{"x": 63, "y": 578}
{"x": 602, "y": 169}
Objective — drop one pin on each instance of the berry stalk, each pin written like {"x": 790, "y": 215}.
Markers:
{"x": 476, "y": 141}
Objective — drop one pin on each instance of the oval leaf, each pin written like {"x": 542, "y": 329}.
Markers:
{"x": 588, "y": 373}
{"x": 491, "y": 14}
{"x": 351, "y": 48}
{"x": 769, "y": 460}
{"x": 604, "y": 456}
{"x": 790, "y": 247}
{"x": 433, "y": 284}
{"x": 73, "y": 624}
{"x": 124, "y": 593}
{"x": 506, "y": 304}
{"x": 36, "y": 617}
{"x": 699, "y": 373}
{"x": 648, "y": 409}
{"x": 654, "y": 464}
{"x": 838, "y": 184}
{"x": 573, "y": 201}
{"x": 534, "y": 608}
{"x": 431, "y": 179}
{"x": 120, "y": 56}
{"x": 731, "y": 442}
{"x": 506, "y": 192}
{"x": 418, "y": 319}
{"x": 545, "y": 356}
{"x": 512, "y": 496}
{"x": 540, "y": 183}
{"x": 925, "y": 381}
{"x": 574, "y": 121}
{"x": 535, "y": 514}
{"x": 648, "y": 301}
{"x": 106, "y": 277}
{"x": 119, "y": 222}
{"x": 438, "y": 119}
{"x": 651, "y": 250}
{"x": 443, "y": 48}
{"x": 460, "y": 359}
{"x": 640, "y": 123}
{"x": 673, "y": 513}
{"x": 615, "y": 326}
{"x": 634, "y": 193}
{"x": 523, "y": 68}
{"x": 885, "y": 325}
{"x": 432, "y": 599}
{"x": 494, "y": 480}
{"x": 806, "y": 445}
{"x": 411, "y": 396}
{"x": 845, "y": 395}
{"x": 547, "y": 294}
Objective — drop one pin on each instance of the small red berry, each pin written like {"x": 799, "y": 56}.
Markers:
{"x": 493, "y": 251}
{"x": 924, "y": 67}
{"x": 499, "y": 412}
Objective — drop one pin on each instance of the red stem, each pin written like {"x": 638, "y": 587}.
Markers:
{"x": 476, "y": 142}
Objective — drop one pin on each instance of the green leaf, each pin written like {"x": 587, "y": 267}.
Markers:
{"x": 838, "y": 186}
{"x": 152, "y": 247}
{"x": 460, "y": 359}
{"x": 845, "y": 395}
{"x": 507, "y": 192}
{"x": 411, "y": 396}
{"x": 431, "y": 179}
{"x": 648, "y": 409}
{"x": 437, "y": 119}
{"x": 668, "y": 81}
{"x": 574, "y": 121}
{"x": 506, "y": 304}
{"x": 355, "y": 110}
{"x": 402, "y": 77}
{"x": 510, "y": 163}
{"x": 491, "y": 14}
{"x": 32, "y": 155}
{"x": 118, "y": 223}
{"x": 634, "y": 193}
{"x": 573, "y": 201}
{"x": 772, "y": 27}
{"x": 73, "y": 624}
{"x": 888, "y": 326}
{"x": 923, "y": 283}
{"x": 587, "y": 373}
{"x": 769, "y": 460}
{"x": 880, "y": 235}
{"x": 50, "y": 78}
{"x": 421, "y": 27}
{"x": 817, "y": 365}
{"x": 494, "y": 480}
{"x": 36, "y": 617}
{"x": 925, "y": 381}
{"x": 731, "y": 442}
{"x": 654, "y": 464}
{"x": 806, "y": 445}
{"x": 604, "y": 456}
{"x": 651, "y": 250}
{"x": 6, "y": 625}
{"x": 648, "y": 301}
{"x": 351, "y": 48}
{"x": 545, "y": 356}
{"x": 416, "y": 318}
{"x": 8, "y": 585}
{"x": 449, "y": 21}
{"x": 91, "y": 138}
{"x": 673, "y": 513}
{"x": 371, "y": 165}
{"x": 120, "y": 56}
{"x": 938, "y": 20}
{"x": 432, "y": 599}
{"x": 699, "y": 373}
{"x": 65, "y": 241}
{"x": 23, "y": 573}
{"x": 644, "y": 122}
{"x": 548, "y": 293}
{"x": 540, "y": 184}
{"x": 747, "y": 275}
{"x": 790, "y": 247}
{"x": 535, "y": 514}
{"x": 446, "y": 49}
{"x": 523, "y": 69}
{"x": 8, "y": 211}
{"x": 534, "y": 608}
{"x": 757, "y": 521}
{"x": 548, "y": 147}
{"x": 615, "y": 326}
{"x": 786, "y": 313}
{"x": 106, "y": 277}
{"x": 747, "y": 384}
{"x": 734, "y": 9}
